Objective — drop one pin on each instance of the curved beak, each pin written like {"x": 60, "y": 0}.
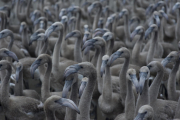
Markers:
{"x": 133, "y": 34}
{"x": 21, "y": 29}
{"x": 149, "y": 9}
{"x": 121, "y": 14}
{"x": 13, "y": 77}
{"x": 98, "y": 29}
{"x": 70, "y": 9}
{"x": 103, "y": 66}
{"x": 68, "y": 103}
{"x": 85, "y": 38}
{"x": 100, "y": 22}
{"x": 140, "y": 116}
{"x": 18, "y": 70}
{"x": 134, "y": 20}
{"x": 63, "y": 21}
{"x": 34, "y": 66}
{"x": 104, "y": 10}
{"x": 165, "y": 61}
{"x": 113, "y": 57}
{"x": 33, "y": 17}
{"x": 56, "y": 7}
{"x": 135, "y": 82}
{"x": 165, "y": 15}
{"x": 71, "y": 70}
{"x": 98, "y": 33}
{"x": 89, "y": 43}
{"x": 72, "y": 20}
{"x": 105, "y": 37}
{"x": 86, "y": 50}
{"x": 36, "y": 21}
{"x": 12, "y": 55}
{"x": 148, "y": 31}
{"x": 131, "y": 21}
{"x": 90, "y": 8}
{"x": 157, "y": 5}
{"x": 176, "y": 6}
{"x": 40, "y": 19}
{"x": 66, "y": 88}
{"x": 82, "y": 87}
{"x": 143, "y": 77}
{"x": 158, "y": 22}
{"x": 3, "y": 8}
{"x": 49, "y": 12}
{"x": 33, "y": 38}
{"x": 50, "y": 30}
{"x": 71, "y": 34}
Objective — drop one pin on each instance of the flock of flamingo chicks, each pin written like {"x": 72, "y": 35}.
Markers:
{"x": 100, "y": 60}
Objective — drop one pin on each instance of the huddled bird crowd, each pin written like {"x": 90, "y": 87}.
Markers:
{"x": 90, "y": 60}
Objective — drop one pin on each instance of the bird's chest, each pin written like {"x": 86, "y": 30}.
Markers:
{"x": 107, "y": 108}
